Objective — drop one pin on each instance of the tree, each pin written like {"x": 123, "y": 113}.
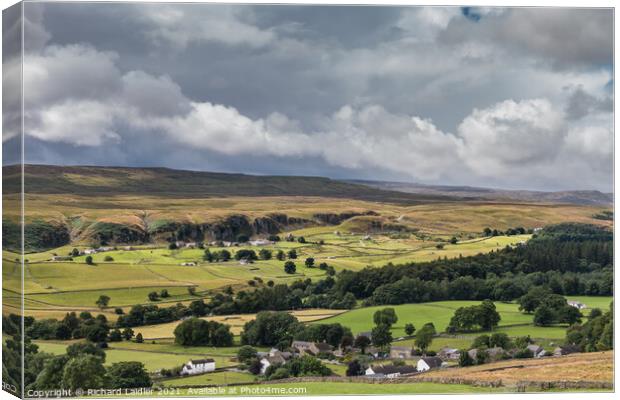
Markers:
{"x": 465, "y": 359}
{"x": 544, "y": 316}
{"x": 382, "y": 336}
{"x": 292, "y": 254}
{"x": 139, "y": 338}
{"x": 83, "y": 348}
{"x": 362, "y": 342}
{"x": 75, "y": 252}
{"x": 264, "y": 254}
{"x": 89, "y": 260}
{"x": 424, "y": 337}
{"x": 96, "y": 333}
{"x": 386, "y": 316}
{"x": 119, "y": 311}
{"x": 280, "y": 255}
{"x": 409, "y": 329}
{"x": 221, "y": 336}
{"x": 108, "y": 258}
{"x": 191, "y": 290}
{"x": 103, "y": 301}
{"x": 164, "y": 293}
{"x": 51, "y": 375}
{"x": 530, "y": 301}
{"x": 569, "y": 315}
{"x": 127, "y": 333}
{"x": 172, "y": 246}
{"x": 269, "y": 329}
{"x": 454, "y": 240}
{"x": 128, "y": 374}
{"x": 290, "y": 267}
{"x": 301, "y": 239}
{"x": 246, "y": 353}
{"x": 482, "y": 357}
{"x": 309, "y": 262}
{"x": 115, "y": 336}
{"x": 354, "y": 368}
{"x": 153, "y": 296}
{"x": 488, "y": 316}
{"x": 208, "y": 256}
{"x": 500, "y": 339}
{"x": 245, "y": 254}
{"x": 84, "y": 372}
{"x": 224, "y": 255}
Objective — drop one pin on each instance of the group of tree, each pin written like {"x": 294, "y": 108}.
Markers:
{"x": 216, "y": 256}
{"x": 569, "y": 259}
{"x": 488, "y": 232}
{"x": 199, "y": 332}
{"x": 82, "y": 366}
{"x": 478, "y": 317}
{"x": 596, "y": 334}
{"x": 299, "y": 366}
{"x": 548, "y": 308}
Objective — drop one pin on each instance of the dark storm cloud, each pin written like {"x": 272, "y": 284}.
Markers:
{"x": 440, "y": 95}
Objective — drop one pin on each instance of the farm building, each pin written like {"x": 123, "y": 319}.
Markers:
{"x": 427, "y": 363}
{"x": 189, "y": 264}
{"x": 495, "y": 353}
{"x": 62, "y": 258}
{"x": 90, "y": 251}
{"x": 274, "y": 357}
{"x": 389, "y": 371}
{"x": 193, "y": 367}
{"x": 565, "y": 350}
{"x": 260, "y": 242}
{"x": 536, "y": 350}
{"x": 400, "y": 352}
{"x": 577, "y": 304}
{"x": 311, "y": 348}
{"x": 448, "y": 353}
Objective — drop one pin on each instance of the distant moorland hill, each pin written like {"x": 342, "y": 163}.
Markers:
{"x": 91, "y": 180}
{"x": 582, "y": 197}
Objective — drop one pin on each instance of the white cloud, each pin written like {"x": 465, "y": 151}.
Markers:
{"x": 181, "y": 25}
{"x": 510, "y": 134}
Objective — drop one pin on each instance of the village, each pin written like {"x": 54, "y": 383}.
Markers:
{"x": 399, "y": 361}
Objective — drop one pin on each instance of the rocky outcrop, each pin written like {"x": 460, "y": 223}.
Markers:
{"x": 266, "y": 225}
{"x": 230, "y": 228}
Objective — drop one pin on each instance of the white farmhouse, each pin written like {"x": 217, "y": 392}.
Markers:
{"x": 193, "y": 367}
{"x": 426, "y": 363}
{"x": 577, "y": 304}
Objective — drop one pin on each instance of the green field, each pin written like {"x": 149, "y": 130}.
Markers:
{"x": 53, "y": 288}
{"x": 346, "y": 388}
{"x": 214, "y": 378}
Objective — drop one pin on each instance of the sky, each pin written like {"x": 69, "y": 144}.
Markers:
{"x": 516, "y": 98}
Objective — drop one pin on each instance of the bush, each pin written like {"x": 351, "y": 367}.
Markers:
{"x": 108, "y": 258}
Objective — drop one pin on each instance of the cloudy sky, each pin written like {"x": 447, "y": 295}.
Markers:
{"x": 510, "y": 98}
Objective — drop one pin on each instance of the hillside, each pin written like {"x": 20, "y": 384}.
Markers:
{"x": 116, "y": 205}
{"x": 581, "y": 197}
{"x": 94, "y": 181}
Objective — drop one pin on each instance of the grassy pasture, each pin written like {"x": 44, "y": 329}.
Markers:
{"x": 360, "y": 320}
{"x": 213, "y": 378}
{"x": 348, "y": 388}
{"x": 153, "y": 360}
{"x": 574, "y": 367}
